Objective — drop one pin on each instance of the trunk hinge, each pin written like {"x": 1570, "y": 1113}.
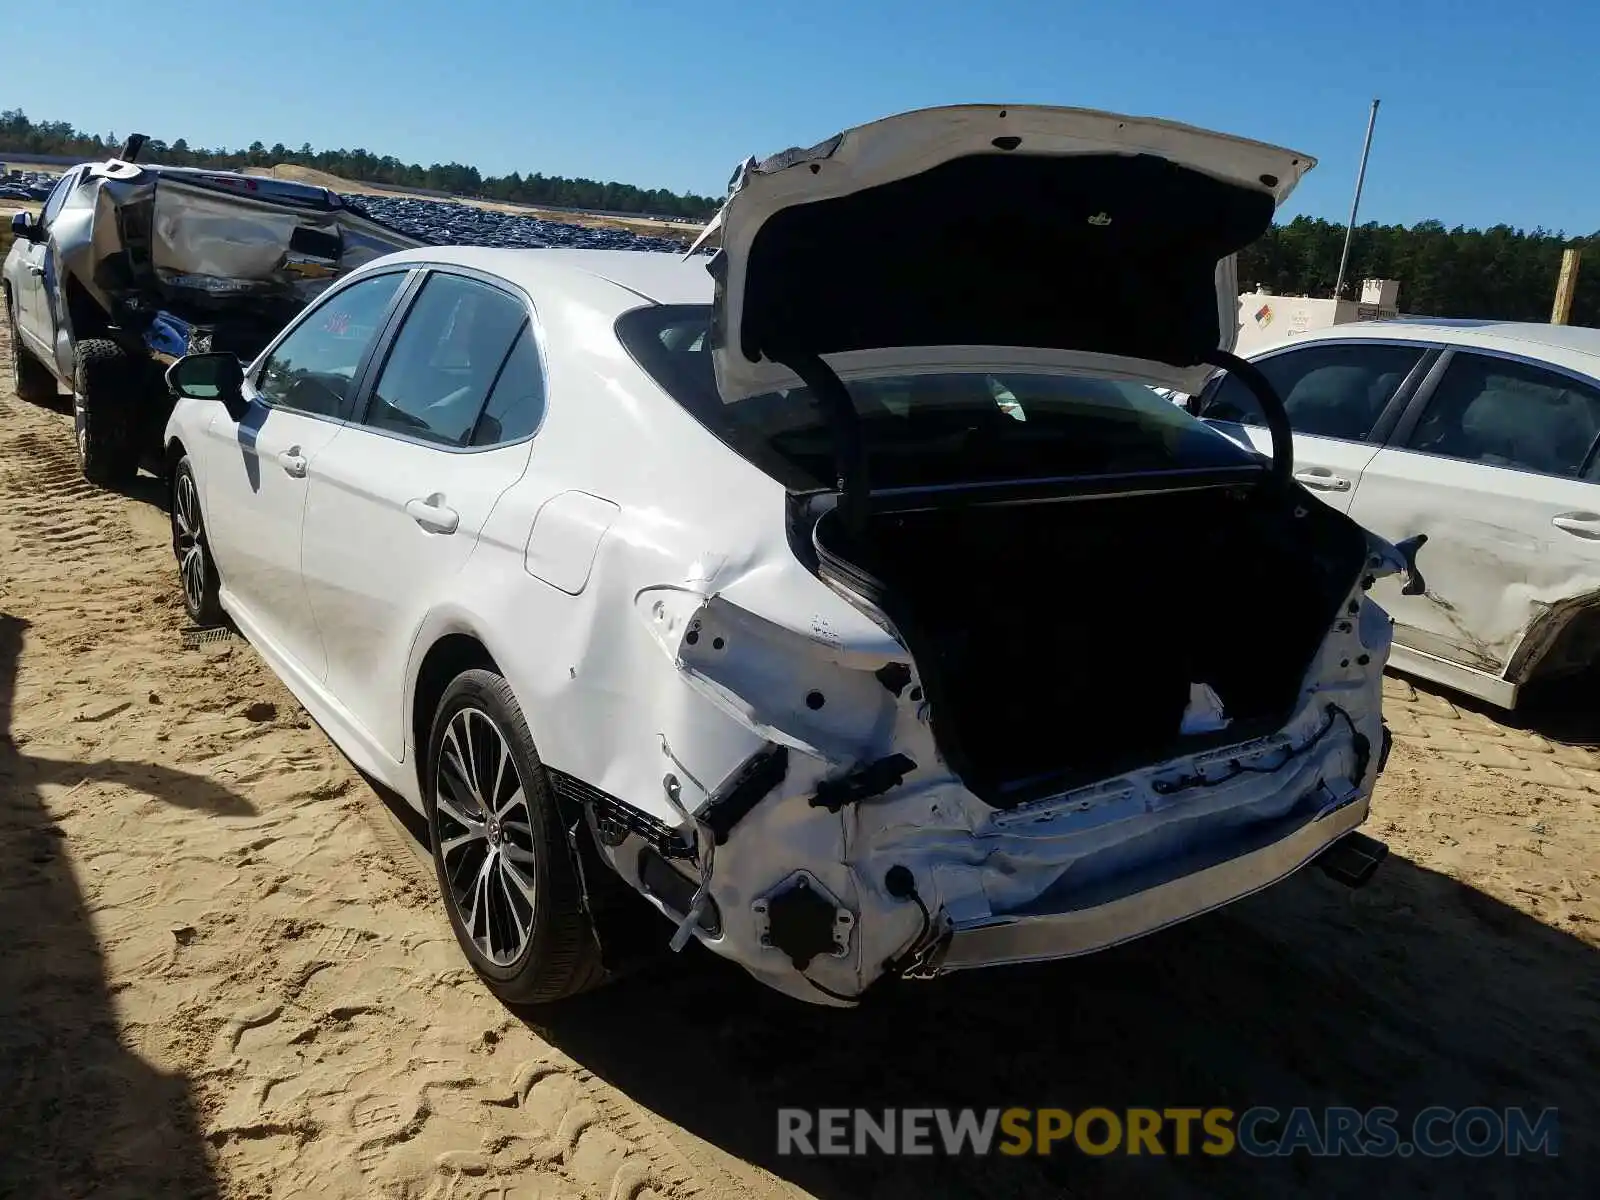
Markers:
{"x": 849, "y": 456}
{"x": 1272, "y": 409}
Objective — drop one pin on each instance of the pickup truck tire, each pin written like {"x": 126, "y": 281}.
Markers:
{"x": 107, "y": 394}
{"x": 30, "y": 378}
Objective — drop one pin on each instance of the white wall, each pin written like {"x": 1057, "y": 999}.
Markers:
{"x": 1265, "y": 318}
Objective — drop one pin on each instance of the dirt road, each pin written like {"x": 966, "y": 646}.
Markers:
{"x": 223, "y": 974}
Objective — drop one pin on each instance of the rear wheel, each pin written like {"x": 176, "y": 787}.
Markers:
{"x": 499, "y": 851}
{"x": 196, "y": 570}
{"x": 107, "y": 391}
{"x": 30, "y": 379}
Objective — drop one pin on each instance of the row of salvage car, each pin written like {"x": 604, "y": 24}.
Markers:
{"x": 848, "y": 592}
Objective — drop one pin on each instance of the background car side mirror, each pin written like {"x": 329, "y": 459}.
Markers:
{"x": 22, "y": 226}
{"x": 209, "y": 377}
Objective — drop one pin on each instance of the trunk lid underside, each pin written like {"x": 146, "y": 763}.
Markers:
{"x": 1074, "y": 240}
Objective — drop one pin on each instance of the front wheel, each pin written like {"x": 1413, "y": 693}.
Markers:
{"x": 499, "y": 851}
{"x": 196, "y": 570}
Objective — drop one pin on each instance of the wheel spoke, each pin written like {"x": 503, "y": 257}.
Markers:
{"x": 480, "y": 896}
{"x": 461, "y": 793}
{"x": 499, "y": 775}
{"x": 504, "y": 873}
{"x": 515, "y": 800}
{"x": 449, "y": 846}
{"x": 194, "y": 575}
{"x": 459, "y": 762}
{"x": 516, "y": 854}
{"x": 450, "y": 804}
{"x": 187, "y": 510}
{"x": 510, "y": 869}
{"x": 471, "y": 761}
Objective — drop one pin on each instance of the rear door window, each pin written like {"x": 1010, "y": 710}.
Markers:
{"x": 516, "y": 405}
{"x": 1336, "y": 390}
{"x": 1510, "y": 414}
{"x": 445, "y": 361}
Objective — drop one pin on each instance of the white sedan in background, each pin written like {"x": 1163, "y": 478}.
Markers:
{"x": 1485, "y": 435}
{"x": 822, "y": 590}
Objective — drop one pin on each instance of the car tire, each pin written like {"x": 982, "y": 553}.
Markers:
{"x": 30, "y": 378}
{"x": 197, "y": 572}
{"x": 500, "y": 854}
{"x": 107, "y": 389}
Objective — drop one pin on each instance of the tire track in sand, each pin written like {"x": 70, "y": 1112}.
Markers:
{"x": 262, "y": 933}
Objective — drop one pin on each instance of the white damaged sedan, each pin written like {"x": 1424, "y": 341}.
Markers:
{"x": 848, "y": 593}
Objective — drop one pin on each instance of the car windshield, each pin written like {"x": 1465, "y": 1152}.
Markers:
{"x": 931, "y": 429}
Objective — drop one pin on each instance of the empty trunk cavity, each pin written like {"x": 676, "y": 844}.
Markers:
{"x": 1058, "y": 642}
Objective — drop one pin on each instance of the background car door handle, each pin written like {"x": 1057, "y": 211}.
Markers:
{"x": 1323, "y": 479}
{"x": 432, "y": 514}
{"x": 293, "y": 462}
{"x": 1584, "y": 524}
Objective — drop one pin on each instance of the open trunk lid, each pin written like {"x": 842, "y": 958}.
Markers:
{"x": 1051, "y": 238}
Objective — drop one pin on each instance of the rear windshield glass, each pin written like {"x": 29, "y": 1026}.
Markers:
{"x": 925, "y": 430}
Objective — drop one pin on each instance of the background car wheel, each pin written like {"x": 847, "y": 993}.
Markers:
{"x": 29, "y": 377}
{"x": 196, "y": 571}
{"x": 107, "y": 389}
{"x": 499, "y": 850}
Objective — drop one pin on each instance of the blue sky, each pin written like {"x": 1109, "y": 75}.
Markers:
{"x": 1489, "y": 113}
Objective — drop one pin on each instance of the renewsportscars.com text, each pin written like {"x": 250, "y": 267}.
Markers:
{"x": 1260, "y": 1131}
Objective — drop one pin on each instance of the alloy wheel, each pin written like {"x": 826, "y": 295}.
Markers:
{"x": 191, "y": 551}
{"x": 483, "y": 827}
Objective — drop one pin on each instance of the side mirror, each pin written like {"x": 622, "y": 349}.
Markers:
{"x": 209, "y": 377}
{"x": 22, "y": 226}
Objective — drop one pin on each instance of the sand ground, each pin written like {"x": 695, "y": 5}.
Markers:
{"x": 224, "y": 973}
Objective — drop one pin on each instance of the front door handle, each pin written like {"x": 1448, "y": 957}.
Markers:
{"x": 433, "y": 515}
{"x": 1582, "y": 524}
{"x": 1322, "y": 479}
{"x": 293, "y": 462}
{"x": 36, "y": 270}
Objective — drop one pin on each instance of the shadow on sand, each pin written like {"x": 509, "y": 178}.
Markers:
{"x": 80, "y": 1114}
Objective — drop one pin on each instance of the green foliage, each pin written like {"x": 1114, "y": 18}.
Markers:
{"x": 19, "y": 134}
{"x": 1501, "y": 273}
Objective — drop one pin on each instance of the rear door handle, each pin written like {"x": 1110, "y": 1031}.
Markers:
{"x": 1322, "y": 479}
{"x": 1582, "y": 524}
{"x": 433, "y": 515}
{"x": 293, "y": 462}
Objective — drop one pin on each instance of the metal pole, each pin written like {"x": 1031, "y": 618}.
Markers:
{"x": 1361, "y": 177}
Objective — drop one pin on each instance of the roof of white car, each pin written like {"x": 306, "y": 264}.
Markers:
{"x": 662, "y": 278}
{"x": 1576, "y": 346}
